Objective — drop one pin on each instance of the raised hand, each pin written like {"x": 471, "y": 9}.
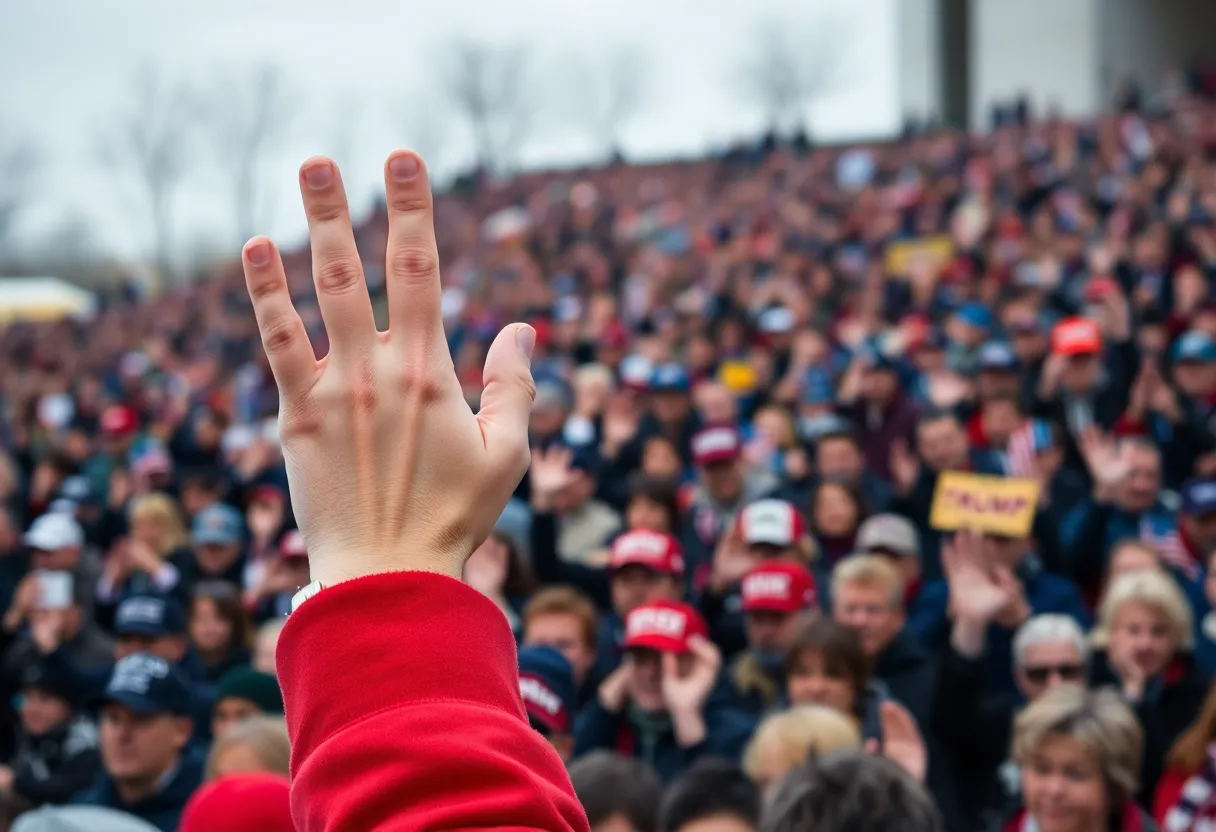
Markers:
{"x": 1102, "y": 458}
{"x": 975, "y": 594}
{"x": 549, "y": 474}
{"x": 905, "y": 467}
{"x": 389, "y": 469}
{"x": 685, "y": 693}
{"x": 902, "y": 743}
{"x": 731, "y": 562}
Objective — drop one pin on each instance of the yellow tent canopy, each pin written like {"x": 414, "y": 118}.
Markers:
{"x": 43, "y": 299}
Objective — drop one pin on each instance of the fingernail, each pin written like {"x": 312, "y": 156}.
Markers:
{"x": 525, "y": 339}
{"x": 259, "y": 253}
{"x": 319, "y": 176}
{"x": 404, "y": 168}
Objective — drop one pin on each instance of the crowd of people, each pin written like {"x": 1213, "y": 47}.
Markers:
{"x": 726, "y": 561}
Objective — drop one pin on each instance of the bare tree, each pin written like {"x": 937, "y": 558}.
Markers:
{"x": 607, "y": 93}
{"x": 489, "y": 85}
{"x": 18, "y": 161}
{"x": 151, "y": 139}
{"x": 242, "y": 116}
{"x": 425, "y": 128}
{"x": 789, "y": 68}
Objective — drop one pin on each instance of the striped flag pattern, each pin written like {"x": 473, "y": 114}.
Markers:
{"x": 1021, "y": 451}
{"x": 1170, "y": 548}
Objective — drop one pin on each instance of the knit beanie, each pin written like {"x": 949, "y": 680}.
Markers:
{"x": 261, "y": 689}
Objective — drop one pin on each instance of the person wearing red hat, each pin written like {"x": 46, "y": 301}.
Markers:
{"x": 656, "y": 706}
{"x": 725, "y": 483}
{"x": 256, "y": 802}
{"x": 778, "y": 598}
{"x": 766, "y": 530}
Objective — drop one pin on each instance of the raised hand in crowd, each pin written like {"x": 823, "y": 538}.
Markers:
{"x": 619, "y": 425}
{"x": 549, "y": 474}
{"x": 976, "y": 596}
{"x": 613, "y": 692}
{"x": 687, "y": 682}
{"x": 47, "y": 628}
{"x": 731, "y": 562}
{"x": 905, "y": 467}
{"x": 25, "y": 598}
{"x": 121, "y": 489}
{"x": 902, "y": 742}
{"x": 1106, "y": 466}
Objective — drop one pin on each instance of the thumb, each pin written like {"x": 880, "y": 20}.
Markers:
{"x": 507, "y": 394}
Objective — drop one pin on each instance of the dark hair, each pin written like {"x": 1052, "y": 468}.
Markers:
{"x": 662, "y": 492}
{"x": 937, "y": 414}
{"x": 852, "y": 489}
{"x": 519, "y": 582}
{"x": 228, "y": 606}
{"x": 840, "y": 647}
{"x": 712, "y": 786}
{"x": 608, "y": 784}
{"x": 850, "y": 791}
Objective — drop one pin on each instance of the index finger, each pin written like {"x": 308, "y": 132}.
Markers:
{"x": 412, "y": 271}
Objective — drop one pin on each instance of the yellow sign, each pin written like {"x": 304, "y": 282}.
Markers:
{"x": 994, "y": 505}
{"x": 900, "y": 256}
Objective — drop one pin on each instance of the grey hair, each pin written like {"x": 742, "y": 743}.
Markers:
{"x": 1048, "y": 627}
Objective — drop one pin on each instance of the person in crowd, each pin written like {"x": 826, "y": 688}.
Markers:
{"x": 218, "y": 628}
{"x": 57, "y": 752}
{"x": 766, "y": 530}
{"x": 144, "y": 562}
{"x": 563, "y": 486}
{"x": 1185, "y": 800}
{"x": 851, "y": 790}
{"x": 78, "y": 819}
{"x": 712, "y": 794}
{"x": 1197, "y": 519}
{"x": 546, "y": 683}
{"x": 1078, "y": 753}
{"x": 835, "y": 512}
{"x": 617, "y": 793}
{"x": 243, "y": 693}
{"x": 265, "y": 644}
{"x": 838, "y": 457}
{"x": 1030, "y": 590}
{"x": 868, "y": 596}
{"x": 778, "y": 598}
{"x": 497, "y": 571}
{"x": 975, "y": 726}
{"x": 725, "y": 483}
{"x": 258, "y": 743}
{"x": 895, "y": 537}
{"x": 657, "y": 705}
{"x": 826, "y": 665}
{"x": 149, "y": 768}
{"x": 218, "y": 537}
{"x": 284, "y": 570}
{"x": 785, "y": 739}
{"x": 246, "y": 802}
{"x": 564, "y": 619}
{"x": 1143, "y": 639}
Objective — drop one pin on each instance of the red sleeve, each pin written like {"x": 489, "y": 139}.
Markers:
{"x": 403, "y": 705}
{"x": 1169, "y": 789}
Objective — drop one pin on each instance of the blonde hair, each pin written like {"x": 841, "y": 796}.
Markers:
{"x": 869, "y": 570}
{"x": 161, "y": 510}
{"x": 1153, "y": 589}
{"x": 1098, "y": 720}
{"x": 265, "y": 736}
{"x": 797, "y": 734}
{"x": 594, "y": 374}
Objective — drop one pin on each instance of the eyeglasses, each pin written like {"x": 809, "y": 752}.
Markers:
{"x": 1066, "y": 672}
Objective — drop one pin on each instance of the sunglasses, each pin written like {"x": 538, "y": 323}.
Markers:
{"x": 1067, "y": 672}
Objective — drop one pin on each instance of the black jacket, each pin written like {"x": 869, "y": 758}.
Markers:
{"x": 51, "y": 768}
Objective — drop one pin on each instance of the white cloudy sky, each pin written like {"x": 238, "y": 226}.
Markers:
{"x": 354, "y": 66}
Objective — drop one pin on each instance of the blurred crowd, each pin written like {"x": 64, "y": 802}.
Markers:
{"x": 751, "y": 373}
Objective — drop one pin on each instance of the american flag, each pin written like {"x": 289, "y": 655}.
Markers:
{"x": 1170, "y": 548}
{"x": 1024, "y": 445}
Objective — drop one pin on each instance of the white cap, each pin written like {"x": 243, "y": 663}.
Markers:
{"x": 52, "y": 532}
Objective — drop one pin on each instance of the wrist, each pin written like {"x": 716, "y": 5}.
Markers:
{"x": 968, "y": 636}
{"x": 689, "y": 726}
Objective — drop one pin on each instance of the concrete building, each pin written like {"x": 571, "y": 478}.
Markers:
{"x": 959, "y": 56}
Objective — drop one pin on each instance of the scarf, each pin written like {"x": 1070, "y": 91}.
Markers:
{"x": 650, "y": 728}
{"x": 1195, "y": 809}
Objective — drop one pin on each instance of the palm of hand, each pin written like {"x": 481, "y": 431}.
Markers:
{"x": 972, "y": 593}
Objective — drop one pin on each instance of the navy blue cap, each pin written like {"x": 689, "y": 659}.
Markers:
{"x": 148, "y": 684}
{"x": 149, "y": 615}
{"x": 218, "y": 523}
{"x": 1195, "y": 346}
{"x": 54, "y": 679}
{"x": 669, "y": 377}
{"x": 997, "y": 356}
{"x": 546, "y": 683}
{"x": 1199, "y": 496}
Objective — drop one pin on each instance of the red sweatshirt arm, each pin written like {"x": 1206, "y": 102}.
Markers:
{"x": 402, "y": 697}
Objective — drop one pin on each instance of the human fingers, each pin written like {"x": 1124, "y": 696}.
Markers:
{"x": 337, "y": 270}
{"x": 412, "y": 268}
{"x": 506, "y": 399}
{"x": 705, "y": 651}
{"x": 671, "y": 667}
{"x": 284, "y": 338}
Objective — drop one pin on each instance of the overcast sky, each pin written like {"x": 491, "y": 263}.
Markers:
{"x": 355, "y": 66}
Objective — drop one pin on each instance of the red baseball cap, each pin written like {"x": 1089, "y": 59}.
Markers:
{"x": 1076, "y": 336}
{"x": 118, "y": 420}
{"x": 778, "y": 586}
{"x": 657, "y": 550}
{"x": 721, "y": 443}
{"x": 665, "y": 626}
{"x": 247, "y": 802}
{"x": 774, "y": 522}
